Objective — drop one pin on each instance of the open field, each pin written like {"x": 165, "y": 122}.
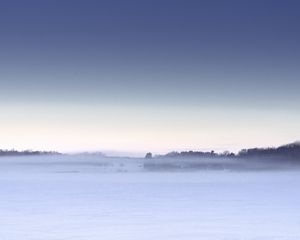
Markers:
{"x": 54, "y": 198}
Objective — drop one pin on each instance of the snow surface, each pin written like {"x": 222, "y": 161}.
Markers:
{"x": 88, "y": 198}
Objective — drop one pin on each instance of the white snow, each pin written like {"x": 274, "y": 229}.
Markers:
{"x": 87, "y": 198}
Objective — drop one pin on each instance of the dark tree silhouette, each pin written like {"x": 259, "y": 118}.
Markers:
{"x": 25, "y": 153}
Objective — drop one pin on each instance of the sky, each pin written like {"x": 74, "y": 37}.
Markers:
{"x": 138, "y": 76}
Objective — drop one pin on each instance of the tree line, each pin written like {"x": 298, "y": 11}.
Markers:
{"x": 289, "y": 151}
{"x": 13, "y": 152}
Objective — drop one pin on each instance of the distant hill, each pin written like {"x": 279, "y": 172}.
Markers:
{"x": 288, "y": 151}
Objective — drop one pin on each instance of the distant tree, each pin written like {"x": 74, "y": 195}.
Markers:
{"x": 148, "y": 155}
{"x": 227, "y": 154}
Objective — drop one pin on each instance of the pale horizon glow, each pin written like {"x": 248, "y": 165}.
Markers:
{"x": 112, "y": 129}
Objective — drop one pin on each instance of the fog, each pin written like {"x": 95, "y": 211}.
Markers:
{"x": 99, "y": 163}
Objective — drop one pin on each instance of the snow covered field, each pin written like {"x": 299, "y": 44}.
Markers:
{"x": 84, "y": 198}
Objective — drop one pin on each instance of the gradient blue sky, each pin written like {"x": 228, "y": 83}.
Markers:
{"x": 155, "y": 76}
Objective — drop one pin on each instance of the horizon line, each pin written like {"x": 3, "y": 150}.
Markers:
{"x": 120, "y": 153}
